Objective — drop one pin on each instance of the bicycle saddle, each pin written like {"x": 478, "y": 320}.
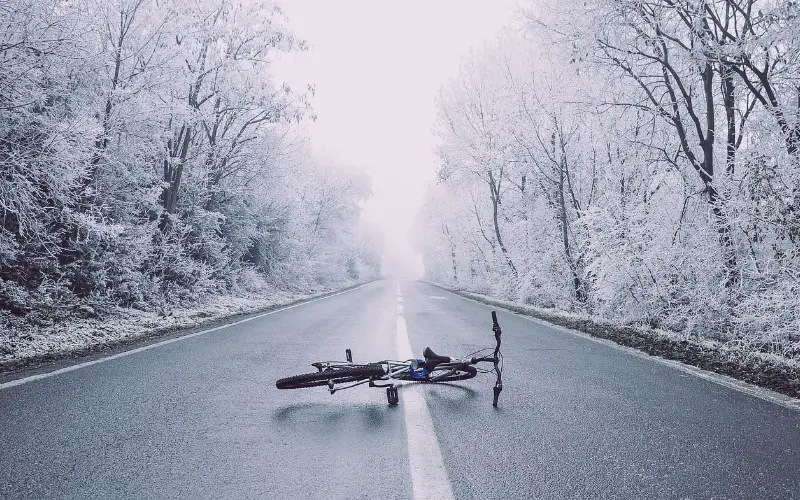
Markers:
{"x": 432, "y": 359}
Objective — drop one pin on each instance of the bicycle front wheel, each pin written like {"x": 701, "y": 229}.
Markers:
{"x": 443, "y": 375}
{"x": 460, "y": 373}
{"x": 337, "y": 376}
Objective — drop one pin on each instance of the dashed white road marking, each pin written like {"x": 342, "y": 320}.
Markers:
{"x": 436, "y": 297}
{"x": 24, "y": 380}
{"x": 428, "y": 475}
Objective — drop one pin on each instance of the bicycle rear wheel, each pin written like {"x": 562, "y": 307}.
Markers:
{"x": 337, "y": 376}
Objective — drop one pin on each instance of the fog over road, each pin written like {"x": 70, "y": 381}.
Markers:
{"x": 201, "y": 417}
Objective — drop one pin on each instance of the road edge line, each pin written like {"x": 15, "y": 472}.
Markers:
{"x": 77, "y": 366}
{"x": 717, "y": 378}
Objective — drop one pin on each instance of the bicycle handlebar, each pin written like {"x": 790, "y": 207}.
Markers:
{"x": 495, "y": 359}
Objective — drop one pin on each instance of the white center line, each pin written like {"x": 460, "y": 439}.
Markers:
{"x": 428, "y": 475}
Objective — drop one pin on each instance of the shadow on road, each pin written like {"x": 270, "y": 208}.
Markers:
{"x": 374, "y": 417}
{"x": 450, "y": 396}
{"x": 451, "y": 389}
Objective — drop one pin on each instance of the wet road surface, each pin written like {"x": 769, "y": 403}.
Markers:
{"x": 201, "y": 418}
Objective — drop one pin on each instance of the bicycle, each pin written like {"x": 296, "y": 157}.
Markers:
{"x": 431, "y": 368}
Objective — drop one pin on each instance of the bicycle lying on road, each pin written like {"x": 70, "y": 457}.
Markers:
{"x": 430, "y": 369}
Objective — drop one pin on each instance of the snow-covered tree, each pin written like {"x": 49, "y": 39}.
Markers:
{"x": 637, "y": 160}
{"x": 148, "y": 157}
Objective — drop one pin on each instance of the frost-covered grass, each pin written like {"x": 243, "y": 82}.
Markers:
{"x": 738, "y": 359}
{"x": 735, "y": 349}
{"x": 22, "y": 342}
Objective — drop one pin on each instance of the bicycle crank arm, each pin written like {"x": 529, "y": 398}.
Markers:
{"x": 373, "y": 384}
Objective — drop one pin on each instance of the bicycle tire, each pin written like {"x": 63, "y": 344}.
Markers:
{"x": 338, "y": 376}
{"x": 461, "y": 373}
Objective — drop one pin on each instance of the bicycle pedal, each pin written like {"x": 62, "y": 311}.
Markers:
{"x": 392, "y": 395}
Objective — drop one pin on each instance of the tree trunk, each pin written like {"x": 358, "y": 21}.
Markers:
{"x": 178, "y": 150}
{"x": 729, "y": 102}
{"x": 173, "y": 172}
{"x": 495, "y": 196}
{"x": 452, "y": 253}
{"x": 580, "y": 293}
{"x": 707, "y": 167}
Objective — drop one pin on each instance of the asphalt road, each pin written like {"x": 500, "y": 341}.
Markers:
{"x": 201, "y": 418}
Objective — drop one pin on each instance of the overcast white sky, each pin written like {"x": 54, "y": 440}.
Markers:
{"x": 378, "y": 66}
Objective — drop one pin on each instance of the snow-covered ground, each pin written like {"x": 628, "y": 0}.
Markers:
{"x": 23, "y": 342}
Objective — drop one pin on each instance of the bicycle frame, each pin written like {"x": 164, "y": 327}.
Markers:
{"x": 398, "y": 370}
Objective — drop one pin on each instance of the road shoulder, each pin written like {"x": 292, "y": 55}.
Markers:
{"x": 25, "y": 366}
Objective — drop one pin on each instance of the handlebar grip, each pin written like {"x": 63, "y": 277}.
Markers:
{"x": 494, "y": 318}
